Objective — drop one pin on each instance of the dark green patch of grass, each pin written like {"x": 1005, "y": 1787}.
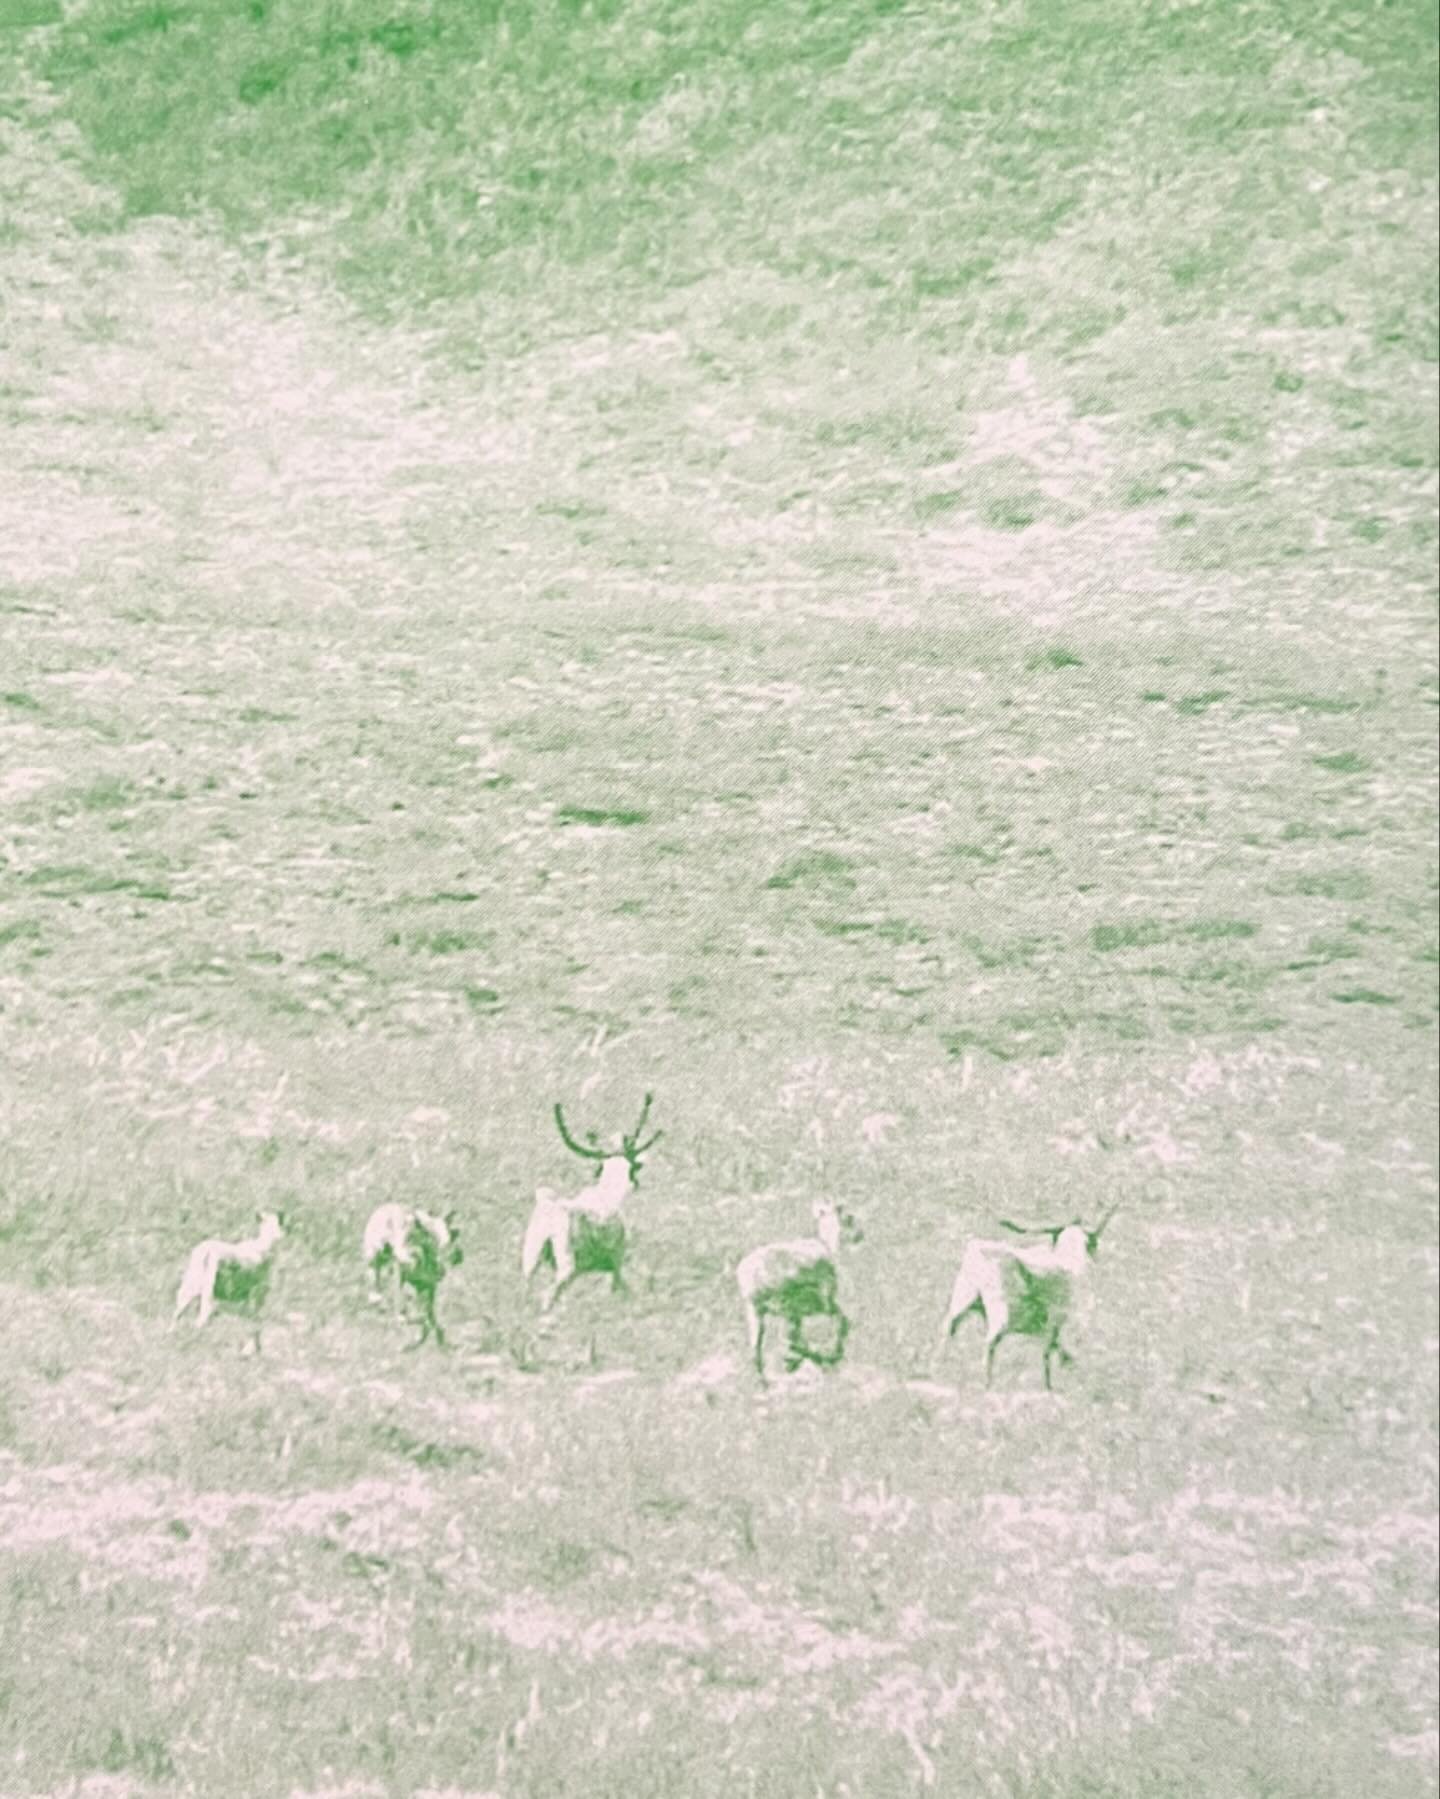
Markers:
{"x": 426, "y": 1454}
{"x": 931, "y": 283}
{"x": 1303, "y": 702}
{"x": 1057, "y": 657}
{"x": 1015, "y": 952}
{"x": 1143, "y": 935}
{"x": 1194, "y": 704}
{"x": 1229, "y": 974}
{"x": 448, "y": 942}
{"x": 1015, "y": 512}
{"x": 563, "y": 1563}
{"x": 570, "y": 509}
{"x": 594, "y": 815}
{"x": 278, "y": 1001}
{"x": 1332, "y": 948}
{"x": 147, "y": 1756}
{"x": 890, "y": 930}
{"x": 1342, "y": 884}
{"x": 1346, "y": 762}
{"x": 1038, "y": 1034}
{"x": 1125, "y": 1027}
{"x": 264, "y": 715}
{"x": 58, "y": 881}
{"x": 901, "y": 931}
{"x": 1364, "y": 996}
{"x": 817, "y": 867}
{"x": 108, "y": 793}
{"x": 938, "y": 505}
{"x": 22, "y": 702}
{"x": 126, "y": 24}
{"x": 22, "y": 930}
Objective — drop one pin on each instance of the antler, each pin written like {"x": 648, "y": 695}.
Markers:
{"x": 632, "y": 1141}
{"x": 1094, "y": 1235}
{"x": 631, "y": 1136}
{"x": 1052, "y": 1231}
{"x": 588, "y": 1150}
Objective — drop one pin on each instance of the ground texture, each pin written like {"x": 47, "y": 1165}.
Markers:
{"x": 969, "y": 749}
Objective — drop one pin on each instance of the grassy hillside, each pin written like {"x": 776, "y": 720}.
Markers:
{"x": 753, "y": 282}
{"x": 584, "y": 158}
{"x": 871, "y": 571}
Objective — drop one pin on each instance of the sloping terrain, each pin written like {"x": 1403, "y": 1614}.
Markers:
{"x": 955, "y": 720}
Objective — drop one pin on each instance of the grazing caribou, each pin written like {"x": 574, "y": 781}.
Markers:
{"x": 421, "y": 1248}
{"x": 586, "y": 1234}
{"x": 1023, "y": 1290}
{"x": 234, "y": 1277}
{"x": 796, "y": 1281}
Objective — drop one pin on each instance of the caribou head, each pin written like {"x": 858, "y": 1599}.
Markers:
{"x": 835, "y": 1224}
{"x": 630, "y": 1148}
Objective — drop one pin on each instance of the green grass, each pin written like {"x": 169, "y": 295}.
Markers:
{"x": 839, "y": 563}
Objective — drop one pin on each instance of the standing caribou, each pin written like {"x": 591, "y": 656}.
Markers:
{"x": 586, "y": 1234}
{"x": 234, "y": 1276}
{"x": 1023, "y": 1290}
{"x": 796, "y": 1280}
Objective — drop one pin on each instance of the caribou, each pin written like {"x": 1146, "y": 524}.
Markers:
{"x": 796, "y": 1280}
{"x": 421, "y": 1248}
{"x": 586, "y": 1234}
{"x": 233, "y": 1276}
{"x": 1023, "y": 1290}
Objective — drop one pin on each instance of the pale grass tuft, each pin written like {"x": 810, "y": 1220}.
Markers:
{"x": 1423, "y": 1746}
{"x": 20, "y": 783}
{"x": 715, "y": 1371}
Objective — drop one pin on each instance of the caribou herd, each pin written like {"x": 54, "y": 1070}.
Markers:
{"x": 1021, "y": 1287}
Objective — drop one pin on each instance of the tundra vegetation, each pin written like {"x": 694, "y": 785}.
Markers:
{"x": 846, "y": 563}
